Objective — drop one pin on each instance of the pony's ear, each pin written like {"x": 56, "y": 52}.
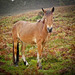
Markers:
{"x": 43, "y": 10}
{"x": 52, "y": 10}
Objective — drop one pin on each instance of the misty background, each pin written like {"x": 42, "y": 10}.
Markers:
{"x": 11, "y": 7}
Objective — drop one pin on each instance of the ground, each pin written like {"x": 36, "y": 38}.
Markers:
{"x": 58, "y": 57}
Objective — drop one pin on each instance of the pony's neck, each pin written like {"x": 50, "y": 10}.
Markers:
{"x": 44, "y": 30}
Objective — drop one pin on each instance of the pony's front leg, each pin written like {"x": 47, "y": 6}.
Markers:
{"x": 23, "y": 54}
{"x": 39, "y": 55}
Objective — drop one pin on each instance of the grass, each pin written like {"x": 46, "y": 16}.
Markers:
{"x": 58, "y": 54}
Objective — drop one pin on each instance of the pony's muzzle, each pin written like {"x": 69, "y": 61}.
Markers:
{"x": 49, "y": 29}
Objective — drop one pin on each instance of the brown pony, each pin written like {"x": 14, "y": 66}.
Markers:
{"x": 32, "y": 33}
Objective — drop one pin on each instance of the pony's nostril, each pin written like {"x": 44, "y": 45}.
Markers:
{"x": 49, "y": 29}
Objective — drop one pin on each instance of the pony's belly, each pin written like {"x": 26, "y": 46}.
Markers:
{"x": 28, "y": 40}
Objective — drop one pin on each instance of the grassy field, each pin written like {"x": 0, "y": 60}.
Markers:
{"x": 59, "y": 51}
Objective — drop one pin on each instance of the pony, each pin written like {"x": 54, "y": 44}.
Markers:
{"x": 32, "y": 33}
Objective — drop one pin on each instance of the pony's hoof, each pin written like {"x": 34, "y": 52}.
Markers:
{"x": 16, "y": 65}
{"x": 39, "y": 67}
{"x": 26, "y": 63}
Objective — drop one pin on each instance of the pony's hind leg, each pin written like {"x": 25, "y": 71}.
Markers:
{"x": 23, "y": 54}
{"x": 15, "y": 53}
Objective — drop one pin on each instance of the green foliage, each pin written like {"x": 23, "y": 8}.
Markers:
{"x": 35, "y": 18}
{"x": 19, "y": 19}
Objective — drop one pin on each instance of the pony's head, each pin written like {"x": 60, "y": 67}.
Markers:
{"x": 48, "y": 16}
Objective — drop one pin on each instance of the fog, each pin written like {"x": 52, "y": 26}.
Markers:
{"x": 11, "y": 7}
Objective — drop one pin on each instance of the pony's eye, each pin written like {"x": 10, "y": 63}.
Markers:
{"x": 45, "y": 19}
{"x": 53, "y": 18}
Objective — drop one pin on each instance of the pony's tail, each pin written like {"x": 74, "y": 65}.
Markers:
{"x": 18, "y": 52}
{"x": 17, "y": 60}
{"x": 13, "y": 54}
